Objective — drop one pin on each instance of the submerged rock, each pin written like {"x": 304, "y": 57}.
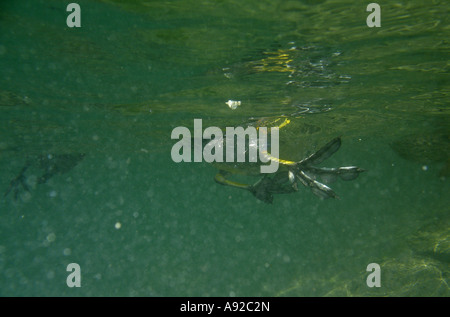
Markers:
{"x": 433, "y": 241}
{"x": 426, "y": 149}
{"x": 422, "y": 269}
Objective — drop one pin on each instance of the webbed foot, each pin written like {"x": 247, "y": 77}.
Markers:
{"x": 261, "y": 190}
{"x": 307, "y": 173}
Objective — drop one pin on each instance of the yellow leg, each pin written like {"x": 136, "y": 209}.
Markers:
{"x": 221, "y": 179}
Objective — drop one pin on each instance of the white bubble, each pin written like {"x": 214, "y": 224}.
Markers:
{"x": 51, "y": 237}
{"x": 118, "y": 225}
{"x": 233, "y": 104}
{"x": 286, "y": 258}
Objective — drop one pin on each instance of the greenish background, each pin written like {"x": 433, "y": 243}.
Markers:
{"x": 116, "y": 87}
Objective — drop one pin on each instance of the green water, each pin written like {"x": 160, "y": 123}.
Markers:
{"x": 139, "y": 224}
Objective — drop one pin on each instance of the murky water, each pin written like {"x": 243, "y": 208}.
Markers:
{"x": 85, "y": 164}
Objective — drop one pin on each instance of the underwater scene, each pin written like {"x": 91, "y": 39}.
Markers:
{"x": 111, "y": 110}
